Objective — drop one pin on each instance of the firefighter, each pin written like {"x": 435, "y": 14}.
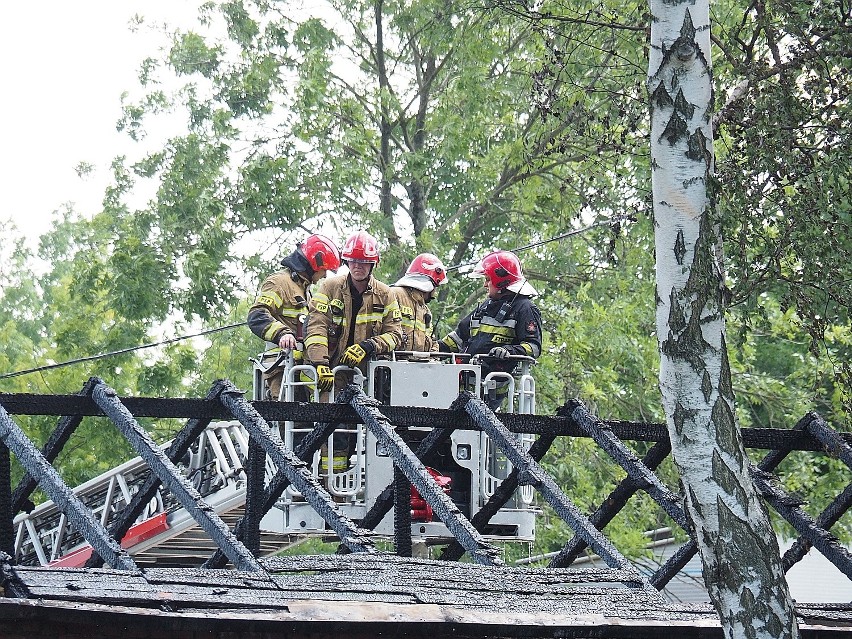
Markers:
{"x": 505, "y": 323}
{"x": 279, "y": 312}
{"x": 352, "y": 317}
{"x": 414, "y": 291}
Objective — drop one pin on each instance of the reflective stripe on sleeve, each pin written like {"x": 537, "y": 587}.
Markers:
{"x": 270, "y": 299}
{"x": 270, "y": 331}
{"x": 453, "y": 341}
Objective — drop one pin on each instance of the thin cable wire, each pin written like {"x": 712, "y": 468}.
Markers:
{"x": 555, "y": 238}
{"x": 120, "y": 352}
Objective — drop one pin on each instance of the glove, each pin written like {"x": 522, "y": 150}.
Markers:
{"x": 499, "y": 352}
{"x": 325, "y": 378}
{"x": 357, "y": 353}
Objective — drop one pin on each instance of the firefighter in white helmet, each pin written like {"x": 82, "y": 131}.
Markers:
{"x": 414, "y": 291}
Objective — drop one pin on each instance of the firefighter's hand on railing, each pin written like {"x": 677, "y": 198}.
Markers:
{"x": 357, "y": 353}
{"x": 288, "y": 341}
{"x": 325, "y": 378}
{"x": 498, "y": 352}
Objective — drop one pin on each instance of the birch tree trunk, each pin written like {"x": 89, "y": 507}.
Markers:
{"x": 739, "y": 550}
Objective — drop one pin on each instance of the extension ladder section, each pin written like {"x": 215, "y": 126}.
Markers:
{"x": 214, "y": 466}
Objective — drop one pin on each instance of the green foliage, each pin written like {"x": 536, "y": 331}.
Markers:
{"x": 190, "y": 54}
{"x": 783, "y": 169}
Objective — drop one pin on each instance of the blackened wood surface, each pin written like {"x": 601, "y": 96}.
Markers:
{"x": 355, "y": 596}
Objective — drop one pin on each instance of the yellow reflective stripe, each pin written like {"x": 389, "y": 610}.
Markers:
{"x": 368, "y": 317}
{"x": 270, "y": 331}
{"x": 497, "y": 330}
{"x": 527, "y": 349}
{"x": 270, "y": 299}
{"x": 320, "y": 297}
{"x": 393, "y": 310}
{"x": 290, "y": 312}
{"x": 389, "y": 339}
{"x": 314, "y": 340}
{"x": 338, "y": 463}
{"x": 416, "y": 325}
{"x": 453, "y": 341}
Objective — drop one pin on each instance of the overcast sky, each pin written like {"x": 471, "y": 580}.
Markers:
{"x": 65, "y": 65}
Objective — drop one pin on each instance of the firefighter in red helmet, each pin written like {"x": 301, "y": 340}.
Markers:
{"x": 414, "y": 291}
{"x": 505, "y": 323}
{"x": 352, "y": 316}
{"x": 277, "y": 315}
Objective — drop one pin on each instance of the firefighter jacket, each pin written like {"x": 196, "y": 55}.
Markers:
{"x": 332, "y": 328}
{"x": 416, "y": 320}
{"x": 282, "y": 300}
{"x": 512, "y": 321}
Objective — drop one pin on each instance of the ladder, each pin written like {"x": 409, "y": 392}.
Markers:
{"x": 214, "y": 466}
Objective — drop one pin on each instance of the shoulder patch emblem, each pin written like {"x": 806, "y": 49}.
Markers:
{"x": 531, "y": 327}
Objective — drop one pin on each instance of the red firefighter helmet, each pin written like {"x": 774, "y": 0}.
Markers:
{"x": 503, "y": 270}
{"x": 361, "y": 247}
{"x": 425, "y": 273}
{"x": 321, "y": 253}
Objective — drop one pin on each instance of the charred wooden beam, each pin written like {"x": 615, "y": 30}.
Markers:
{"x": 173, "y": 479}
{"x": 279, "y": 482}
{"x": 404, "y": 458}
{"x": 124, "y": 519}
{"x": 611, "y": 506}
{"x": 402, "y": 513}
{"x": 55, "y": 443}
{"x": 502, "y": 494}
{"x": 624, "y": 457}
{"x": 78, "y": 514}
{"x": 531, "y": 473}
{"x": 804, "y": 524}
{"x": 7, "y": 515}
{"x": 34, "y": 404}
{"x": 356, "y": 539}
{"x": 826, "y": 519}
{"x": 425, "y": 451}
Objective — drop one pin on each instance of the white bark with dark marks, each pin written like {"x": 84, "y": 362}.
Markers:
{"x": 739, "y": 551}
